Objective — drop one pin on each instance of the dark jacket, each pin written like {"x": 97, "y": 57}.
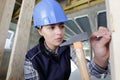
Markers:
{"x": 50, "y": 66}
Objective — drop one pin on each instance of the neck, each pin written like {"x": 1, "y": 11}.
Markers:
{"x": 49, "y": 47}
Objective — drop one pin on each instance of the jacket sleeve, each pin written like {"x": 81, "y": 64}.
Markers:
{"x": 29, "y": 72}
{"x": 94, "y": 69}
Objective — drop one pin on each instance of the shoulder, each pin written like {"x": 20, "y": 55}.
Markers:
{"x": 33, "y": 52}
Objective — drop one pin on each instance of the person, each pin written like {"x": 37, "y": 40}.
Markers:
{"x": 47, "y": 60}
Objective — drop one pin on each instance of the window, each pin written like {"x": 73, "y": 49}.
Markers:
{"x": 101, "y": 19}
{"x": 84, "y": 23}
{"x": 9, "y": 39}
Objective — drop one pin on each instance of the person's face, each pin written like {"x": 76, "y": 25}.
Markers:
{"x": 53, "y": 34}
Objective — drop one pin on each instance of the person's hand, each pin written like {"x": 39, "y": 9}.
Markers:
{"x": 100, "y": 43}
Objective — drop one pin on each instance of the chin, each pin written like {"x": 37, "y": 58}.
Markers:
{"x": 57, "y": 44}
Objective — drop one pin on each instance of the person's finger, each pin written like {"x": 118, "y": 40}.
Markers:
{"x": 103, "y": 30}
{"x": 105, "y": 39}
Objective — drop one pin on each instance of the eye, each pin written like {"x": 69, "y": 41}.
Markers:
{"x": 62, "y": 26}
{"x": 52, "y": 27}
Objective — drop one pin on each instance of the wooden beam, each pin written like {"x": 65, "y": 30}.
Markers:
{"x": 16, "y": 14}
{"x": 76, "y": 3}
{"x": 113, "y": 16}
{"x": 18, "y": 3}
{"x": 81, "y": 5}
{"x": 69, "y": 2}
{"x": 6, "y": 10}
{"x": 15, "y": 69}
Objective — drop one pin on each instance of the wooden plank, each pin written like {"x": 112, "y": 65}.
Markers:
{"x": 113, "y": 15}
{"x": 82, "y": 6}
{"x": 6, "y": 10}
{"x": 15, "y": 69}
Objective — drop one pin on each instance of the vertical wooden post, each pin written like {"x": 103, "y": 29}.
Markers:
{"x": 15, "y": 69}
{"x": 113, "y": 14}
{"x": 6, "y": 10}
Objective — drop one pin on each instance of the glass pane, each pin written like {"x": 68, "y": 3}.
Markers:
{"x": 72, "y": 26}
{"x": 101, "y": 19}
{"x": 84, "y": 24}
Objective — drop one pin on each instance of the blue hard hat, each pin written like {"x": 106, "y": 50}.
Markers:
{"x": 48, "y": 12}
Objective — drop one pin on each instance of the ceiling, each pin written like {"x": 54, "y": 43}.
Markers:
{"x": 68, "y": 5}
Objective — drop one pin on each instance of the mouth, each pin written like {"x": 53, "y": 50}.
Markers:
{"x": 59, "y": 39}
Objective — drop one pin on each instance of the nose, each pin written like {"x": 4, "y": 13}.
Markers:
{"x": 59, "y": 30}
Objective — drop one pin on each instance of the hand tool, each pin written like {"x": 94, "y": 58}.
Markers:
{"x": 78, "y": 47}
